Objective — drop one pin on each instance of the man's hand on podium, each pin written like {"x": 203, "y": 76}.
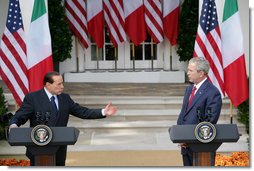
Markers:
{"x": 13, "y": 126}
{"x": 183, "y": 145}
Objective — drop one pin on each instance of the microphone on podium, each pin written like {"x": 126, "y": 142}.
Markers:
{"x": 199, "y": 114}
{"x": 209, "y": 114}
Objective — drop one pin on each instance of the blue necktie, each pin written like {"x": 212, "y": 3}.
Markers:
{"x": 54, "y": 107}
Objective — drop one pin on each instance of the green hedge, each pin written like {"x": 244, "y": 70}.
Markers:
{"x": 3, "y": 110}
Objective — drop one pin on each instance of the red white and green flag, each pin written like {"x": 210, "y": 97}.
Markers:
{"x": 235, "y": 77}
{"x": 39, "y": 53}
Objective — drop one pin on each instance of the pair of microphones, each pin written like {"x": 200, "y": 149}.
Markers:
{"x": 206, "y": 117}
{"x": 42, "y": 119}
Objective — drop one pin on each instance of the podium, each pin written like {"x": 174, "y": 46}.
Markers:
{"x": 204, "y": 153}
{"x": 44, "y": 154}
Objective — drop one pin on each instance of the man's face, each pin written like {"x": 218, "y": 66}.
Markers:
{"x": 57, "y": 86}
{"x": 194, "y": 75}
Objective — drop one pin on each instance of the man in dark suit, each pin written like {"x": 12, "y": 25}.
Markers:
{"x": 51, "y": 100}
{"x": 202, "y": 101}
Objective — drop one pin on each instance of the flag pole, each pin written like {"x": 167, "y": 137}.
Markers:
{"x": 16, "y": 106}
{"x": 133, "y": 56}
{"x": 170, "y": 57}
{"x": 152, "y": 57}
{"x": 76, "y": 49}
{"x": 115, "y": 59}
{"x": 231, "y": 112}
{"x": 97, "y": 56}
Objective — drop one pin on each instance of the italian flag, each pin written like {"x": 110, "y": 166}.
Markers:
{"x": 39, "y": 53}
{"x": 171, "y": 12}
{"x": 235, "y": 78}
{"x": 135, "y": 26}
{"x": 95, "y": 21}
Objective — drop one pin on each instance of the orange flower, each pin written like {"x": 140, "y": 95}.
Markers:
{"x": 236, "y": 159}
{"x": 14, "y": 162}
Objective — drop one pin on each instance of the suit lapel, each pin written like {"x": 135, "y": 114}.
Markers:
{"x": 186, "y": 98}
{"x": 198, "y": 94}
{"x": 60, "y": 104}
{"x": 45, "y": 100}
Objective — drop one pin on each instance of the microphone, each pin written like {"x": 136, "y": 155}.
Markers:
{"x": 38, "y": 117}
{"x": 47, "y": 115}
{"x": 209, "y": 114}
{"x": 199, "y": 114}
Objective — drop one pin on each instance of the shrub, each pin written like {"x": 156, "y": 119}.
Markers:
{"x": 243, "y": 114}
{"x": 4, "y": 119}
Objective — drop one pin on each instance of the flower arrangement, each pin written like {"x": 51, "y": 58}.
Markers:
{"x": 14, "y": 162}
{"x": 236, "y": 159}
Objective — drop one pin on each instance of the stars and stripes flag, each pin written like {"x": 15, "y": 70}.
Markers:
{"x": 153, "y": 18}
{"x": 208, "y": 43}
{"x": 235, "y": 77}
{"x": 13, "y": 60}
{"x": 115, "y": 21}
{"x": 77, "y": 19}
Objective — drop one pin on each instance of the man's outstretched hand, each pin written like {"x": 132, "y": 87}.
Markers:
{"x": 110, "y": 110}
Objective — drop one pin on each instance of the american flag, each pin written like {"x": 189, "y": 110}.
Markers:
{"x": 13, "y": 60}
{"x": 77, "y": 19}
{"x": 208, "y": 43}
{"x": 153, "y": 18}
{"x": 115, "y": 20}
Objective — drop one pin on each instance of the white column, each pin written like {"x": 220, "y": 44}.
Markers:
{"x": 166, "y": 61}
{"x": 80, "y": 57}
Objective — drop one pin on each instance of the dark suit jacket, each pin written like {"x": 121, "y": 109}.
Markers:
{"x": 207, "y": 99}
{"x": 39, "y": 102}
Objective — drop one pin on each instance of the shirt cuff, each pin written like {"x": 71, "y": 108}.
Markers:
{"x": 103, "y": 112}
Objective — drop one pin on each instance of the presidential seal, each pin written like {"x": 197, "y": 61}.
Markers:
{"x": 41, "y": 135}
{"x": 205, "y": 132}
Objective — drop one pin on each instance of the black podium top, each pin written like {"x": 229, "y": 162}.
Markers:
{"x": 61, "y": 136}
{"x": 185, "y": 133}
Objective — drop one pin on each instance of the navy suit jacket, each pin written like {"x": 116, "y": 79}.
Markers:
{"x": 207, "y": 100}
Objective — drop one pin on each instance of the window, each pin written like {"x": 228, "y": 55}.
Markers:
{"x": 107, "y": 53}
{"x": 144, "y": 50}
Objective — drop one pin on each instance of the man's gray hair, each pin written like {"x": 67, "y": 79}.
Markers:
{"x": 202, "y": 64}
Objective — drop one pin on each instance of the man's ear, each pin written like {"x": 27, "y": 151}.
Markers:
{"x": 47, "y": 84}
{"x": 202, "y": 73}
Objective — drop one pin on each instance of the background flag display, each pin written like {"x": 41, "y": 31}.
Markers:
{"x": 235, "y": 78}
{"x": 114, "y": 17}
{"x": 77, "y": 19}
{"x": 208, "y": 43}
{"x": 39, "y": 53}
{"x": 13, "y": 61}
{"x": 135, "y": 26}
{"x": 95, "y": 21}
{"x": 153, "y": 18}
{"x": 171, "y": 11}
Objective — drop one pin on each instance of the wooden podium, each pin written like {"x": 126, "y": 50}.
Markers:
{"x": 204, "y": 153}
{"x": 44, "y": 154}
